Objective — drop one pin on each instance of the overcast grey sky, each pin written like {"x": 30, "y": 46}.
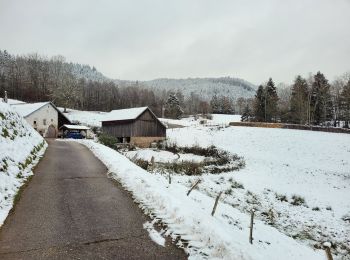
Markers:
{"x": 126, "y": 39}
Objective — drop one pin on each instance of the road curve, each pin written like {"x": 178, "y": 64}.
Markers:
{"x": 71, "y": 210}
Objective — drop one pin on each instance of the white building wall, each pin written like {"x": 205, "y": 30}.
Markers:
{"x": 44, "y": 117}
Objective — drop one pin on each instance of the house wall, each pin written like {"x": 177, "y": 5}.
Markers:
{"x": 47, "y": 113}
{"x": 120, "y": 129}
{"x": 147, "y": 125}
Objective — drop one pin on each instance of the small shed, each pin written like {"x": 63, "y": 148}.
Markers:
{"x": 74, "y": 131}
{"x": 138, "y": 126}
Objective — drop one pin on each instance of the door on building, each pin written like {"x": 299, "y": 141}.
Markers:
{"x": 51, "y": 132}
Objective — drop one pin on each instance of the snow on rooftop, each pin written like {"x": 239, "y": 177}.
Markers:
{"x": 26, "y": 109}
{"x": 77, "y": 127}
{"x": 124, "y": 114}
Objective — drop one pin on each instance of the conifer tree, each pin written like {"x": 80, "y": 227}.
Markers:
{"x": 345, "y": 104}
{"x": 271, "y": 101}
{"x": 299, "y": 101}
{"x": 172, "y": 107}
{"x": 259, "y": 104}
{"x": 320, "y": 102}
{"x": 214, "y": 104}
{"x": 247, "y": 114}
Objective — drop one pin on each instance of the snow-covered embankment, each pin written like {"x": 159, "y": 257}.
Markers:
{"x": 223, "y": 236}
{"x": 20, "y": 150}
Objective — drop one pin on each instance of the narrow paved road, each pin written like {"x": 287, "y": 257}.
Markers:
{"x": 71, "y": 210}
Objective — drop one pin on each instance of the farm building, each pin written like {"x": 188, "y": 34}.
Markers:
{"x": 44, "y": 117}
{"x": 138, "y": 126}
{"x": 75, "y": 131}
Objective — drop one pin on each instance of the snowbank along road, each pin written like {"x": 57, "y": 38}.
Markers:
{"x": 71, "y": 210}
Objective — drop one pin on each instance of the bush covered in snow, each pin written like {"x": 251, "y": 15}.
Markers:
{"x": 214, "y": 160}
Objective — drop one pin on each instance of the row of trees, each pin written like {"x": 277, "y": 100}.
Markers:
{"x": 312, "y": 101}
{"x": 34, "y": 78}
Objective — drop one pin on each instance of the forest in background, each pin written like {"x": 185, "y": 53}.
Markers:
{"x": 35, "y": 78}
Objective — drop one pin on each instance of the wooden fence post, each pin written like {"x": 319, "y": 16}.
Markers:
{"x": 194, "y": 186}
{"x": 169, "y": 178}
{"x": 327, "y": 248}
{"x": 251, "y": 227}
{"x": 216, "y": 203}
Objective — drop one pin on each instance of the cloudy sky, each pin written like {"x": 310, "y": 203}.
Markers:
{"x": 127, "y": 39}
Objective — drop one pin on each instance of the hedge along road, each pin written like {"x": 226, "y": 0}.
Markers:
{"x": 71, "y": 210}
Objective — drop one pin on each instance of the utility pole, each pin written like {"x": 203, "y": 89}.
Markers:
{"x": 163, "y": 109}
{"x": 265, "y": 92}
{"x": 5, "y": 97}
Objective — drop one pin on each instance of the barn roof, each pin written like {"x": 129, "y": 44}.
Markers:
{"x": 26, "y": 109}
{"x": 124, "y": 114}
{"x": 75, "y": 127}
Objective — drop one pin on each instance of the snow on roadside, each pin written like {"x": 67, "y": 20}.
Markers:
{"x": 20, "y": 150}
{"x": 224, "y": 236}
{"x": 154, "y": 234}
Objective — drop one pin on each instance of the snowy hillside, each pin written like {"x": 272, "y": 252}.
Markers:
{"x": 87, "y": 73}
{"x": 21, "y": 147}
{"x": 206, "y": 87}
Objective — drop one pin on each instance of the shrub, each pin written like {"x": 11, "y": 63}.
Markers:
{"x": 281, "y": 197}
{"x": 108, "y": 140}
{"x": 5, "y": 133}
{"x": 142, "y": 163}
{"x": 316, "y": 209}
{"x": 297, "y": 200}
{"x": 237, "y": 185}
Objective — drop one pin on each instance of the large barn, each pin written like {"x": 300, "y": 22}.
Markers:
{"x": 138, "y": 126}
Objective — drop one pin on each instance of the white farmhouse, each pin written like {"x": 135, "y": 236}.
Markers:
{"x": 44, "y": 117}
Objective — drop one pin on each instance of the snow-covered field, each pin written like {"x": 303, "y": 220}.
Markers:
{"x": 218, "y": 119}
{"x": 20, "y": 150}
{"x": 298, "y": 183}
{"x": 280, "y": 162}
{"x": 222, "y": 236}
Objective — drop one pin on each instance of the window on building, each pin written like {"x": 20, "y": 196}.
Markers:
{"x": 44, "y": 121}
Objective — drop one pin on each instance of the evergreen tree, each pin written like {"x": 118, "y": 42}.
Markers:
{"x": 172, "y": 107}
{"x": 259, "y": 104}
{"x": 299, "y": 101}
{"x": 345, "y": 104}
{"x": 271, "y": 101}
{"x": 215, "y": 105}
{"x": 320, "y": 102}
{"x": 247, "y": 114}
{"x": 226, "y": 105}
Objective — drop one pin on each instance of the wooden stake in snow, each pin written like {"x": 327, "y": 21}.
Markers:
{"x": 169, "y": 178}
{"x": 327, "y": 248}
{"x": 216, "y": 203}
{"x": 251, "y": 227}
{"x": 194, "y": 186}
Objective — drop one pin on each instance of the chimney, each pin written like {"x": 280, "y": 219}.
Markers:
{"x": 5, "y": 98}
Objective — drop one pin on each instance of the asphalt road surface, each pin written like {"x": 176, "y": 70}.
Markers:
{"x": 71, "y": 210}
